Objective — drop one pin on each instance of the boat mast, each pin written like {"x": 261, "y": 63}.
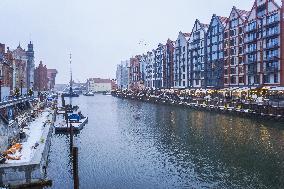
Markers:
{"x": 71, "y": 83}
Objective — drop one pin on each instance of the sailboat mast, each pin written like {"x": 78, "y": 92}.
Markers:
{"x": 71, "y": 83}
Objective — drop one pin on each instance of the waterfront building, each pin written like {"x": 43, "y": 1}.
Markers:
{"x": 168, "y": 75}
{"x": 122, "y": 74}
{"x": 6, "y": 71}
{"x": 149, "y": 69}
{"x": 234, "y": 48}
{"x": 41, "y": 78}
{"x": 159, "y": 60}
{"x": 20, "y": 68}
{"x": 264, "y": 46}
{"x": 215, "y": 52}
{"x": 196, "y": 55}
{"x": 142, "y": 64}
{"x": 135, "y": 74}
{"x": 180, "y": 61}
{"x": 51, "y": 75}
{"x": 30, "y": 65}
{"x": 99, "y": 85}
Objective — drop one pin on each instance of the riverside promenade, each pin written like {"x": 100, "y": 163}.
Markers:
{"x": 26, "y": 159}
{"x": 251, "y": 103}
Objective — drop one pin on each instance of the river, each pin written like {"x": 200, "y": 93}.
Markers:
{"x": 130, "y": 144}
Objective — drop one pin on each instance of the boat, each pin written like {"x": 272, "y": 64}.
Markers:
{"x": 70, "y": 93}
{"x": 90, "y": 93}
{"x": 106, "y": 93}
{"x": 77, "y": 125}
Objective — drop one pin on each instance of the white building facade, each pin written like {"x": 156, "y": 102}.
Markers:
{"x": 180, "y": 61}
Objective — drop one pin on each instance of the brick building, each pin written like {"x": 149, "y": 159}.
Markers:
{"x": 51, "y": 75}
{"x": 41, "y": 79}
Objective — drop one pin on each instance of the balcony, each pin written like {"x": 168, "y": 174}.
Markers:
{"x": 250, "y": 40}
{"x": 251, "y": 61}
{"x": 271, "y": 34}
{"x": 251, "y": 71}
{"x": 250, "y": 50}
{"x": 269, "y": 22}
{"x": 271, "y": 58}
{"x": 271, "y": 45}
{"x": 271, "y": 69}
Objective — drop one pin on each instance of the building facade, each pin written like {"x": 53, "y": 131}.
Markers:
{"x": 30, "y": 65}
{"x": 135, "y": 74}
{"x": 41, "y": 79}
{"x": 196, "y": 55}
{"x": 215, "y": 52}
{"x": 149, "y": 69}
{"x": 242, "y": 50}
{"x": 159, "y": 60}
{"x": 168, "y": 76}
{"x": 51, "y": 75}
{"x": 180, "y": 61}
{"x": 99, "y": 85}
{"x": 264, "y": 63}
{"x": 234, "y": 48}
{"x": 122, "y": 75}
{"x": 142, "y": 64}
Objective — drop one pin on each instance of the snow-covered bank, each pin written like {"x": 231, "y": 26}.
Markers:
{"x": 34, "y": 133}
{"x": 31, "y": 166}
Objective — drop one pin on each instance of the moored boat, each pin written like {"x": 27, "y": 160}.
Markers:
{"x": 77, "y": 125}
{"x": 90, "y": 93}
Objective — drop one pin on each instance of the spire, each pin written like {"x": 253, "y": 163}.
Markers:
{"x": 19, "y": 45}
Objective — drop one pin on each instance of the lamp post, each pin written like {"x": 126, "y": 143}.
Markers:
{"x": 32, "y": 88}
{"x": 21, "y": 84}
{"x": 1, "y": 79}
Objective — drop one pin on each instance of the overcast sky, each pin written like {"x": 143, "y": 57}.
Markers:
{"x": 100, "y": 33}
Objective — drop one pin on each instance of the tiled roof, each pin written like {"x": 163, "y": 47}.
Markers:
{"x": 223, "y": 20}
{"x": 243, "y": 13}
{"x": 186, "y": 34}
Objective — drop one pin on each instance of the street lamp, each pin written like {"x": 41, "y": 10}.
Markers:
{"x": 1, "y": 79}
{"x": 21, "y": 84}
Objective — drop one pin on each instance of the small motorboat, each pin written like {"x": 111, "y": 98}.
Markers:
{"x": 76, "y": 120}
{"x": 90, "y": 93}
{"x": 76, "y": 125}
{"x": 106, "y": 93}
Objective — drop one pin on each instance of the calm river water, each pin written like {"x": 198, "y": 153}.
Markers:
{"x": 168, "y": 147}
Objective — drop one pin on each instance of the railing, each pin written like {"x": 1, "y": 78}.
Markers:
{"x": 14, "y": 101}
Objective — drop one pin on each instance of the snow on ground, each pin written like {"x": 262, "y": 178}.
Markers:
{"x": 33, "y": 133}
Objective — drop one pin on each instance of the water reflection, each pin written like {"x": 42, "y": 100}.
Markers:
{"x": 168, "y": 147}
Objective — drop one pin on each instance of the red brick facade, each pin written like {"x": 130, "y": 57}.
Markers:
{"x": 41, "y": 79}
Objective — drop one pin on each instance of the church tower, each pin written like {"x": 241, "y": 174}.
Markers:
{"x": 30, "y": 66}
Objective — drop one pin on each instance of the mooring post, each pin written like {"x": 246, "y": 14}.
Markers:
{"x": 75, "y": 167}
{"x": 71, "y": 135}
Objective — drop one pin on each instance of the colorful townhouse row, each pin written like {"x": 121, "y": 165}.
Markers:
{"x": 18, "y": 71}
{"x": 243, "y": 50}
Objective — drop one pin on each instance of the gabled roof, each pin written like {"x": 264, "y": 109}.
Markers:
{"x": 277, "y": 3}
{"x": 223, "y": 20}
{"x": 242, "y": 13}
{"x": 205, "y": 26}
{"x": 186, "y": 35}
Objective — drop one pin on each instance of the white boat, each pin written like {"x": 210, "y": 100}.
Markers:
{"x": 77, "y": 126}
{"x": 90, "y": 93}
